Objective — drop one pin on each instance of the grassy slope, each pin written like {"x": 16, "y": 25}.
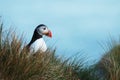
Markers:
{"x": 17, "y": 64}
{"x": 109, "y": 65}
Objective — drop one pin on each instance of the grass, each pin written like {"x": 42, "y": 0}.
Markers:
{"x": 16, "y": 63}
{"x": 109, "y": 65}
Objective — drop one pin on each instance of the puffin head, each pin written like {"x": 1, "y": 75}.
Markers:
{"x": 43, "y": 30}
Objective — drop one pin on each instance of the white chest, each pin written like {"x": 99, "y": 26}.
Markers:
{"x": 39, "y": 44}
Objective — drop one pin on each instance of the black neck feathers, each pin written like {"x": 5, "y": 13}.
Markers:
{"x": 34, "y": 37}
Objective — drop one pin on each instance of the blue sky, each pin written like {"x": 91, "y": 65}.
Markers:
{"x": 76, "y": 24}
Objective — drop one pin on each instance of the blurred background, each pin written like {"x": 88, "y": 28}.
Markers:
{"x": 77, "y": 25}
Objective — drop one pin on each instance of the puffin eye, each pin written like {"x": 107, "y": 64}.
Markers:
{"x": 44, "y": 28}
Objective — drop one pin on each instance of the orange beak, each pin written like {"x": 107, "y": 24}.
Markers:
{"x": 49, "y": 34}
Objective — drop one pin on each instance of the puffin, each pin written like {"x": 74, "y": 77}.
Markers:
{"x": 37, "y": 42}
